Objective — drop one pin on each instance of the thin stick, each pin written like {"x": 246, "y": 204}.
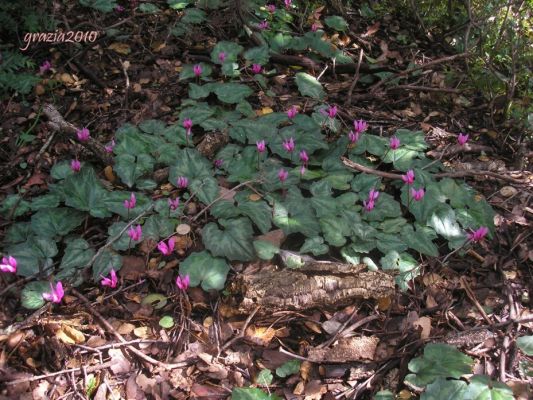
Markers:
{"x": 355, "y": 78}
{"x": 112, "y": 330}
{"x": 65, "y": 371}
{"x": 221, "y": 197}
{"x": 241, "y": 333}
{"x": 418, "y": 67}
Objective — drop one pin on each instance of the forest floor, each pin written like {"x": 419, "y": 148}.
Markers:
{"x": 107, "y": 344}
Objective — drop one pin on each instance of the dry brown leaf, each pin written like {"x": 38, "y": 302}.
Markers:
{"x": 276, "y": 237}
{"x": 109, "y": 175}
{"x": 133, "y": 268}
{"x": 142, "y": 332}
{"x": 69, "y": 335}
{"x": 261, "y": 335}
{"x": 120, "y": 363}
{"x": 425, "y": 324}
{"x": 384, "y": 303}
{"x": 313, "y": 326}
{"x": 305, "y": 370}
{"x": 125, "y": 328}
{"x": 120, "y": 48}
{"x": 371, "y": 29}
{"x": 254, "y": 197}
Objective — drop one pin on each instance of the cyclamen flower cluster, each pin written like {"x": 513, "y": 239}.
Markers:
{"x": 75, "y": 165}
{"x": 56, "y": 293}
{"x": 83, "y": 134}
{"x": 9, "y": 265}
{"x": 197, "y": 70}
{"x": 136, "y": 233}
{"x": 111, "y": 281}
{"x": 370, "y": 202}
{"x": 182, "y": 182}
{"x": 129, "y": 204}
{"x": 291, "y": 112}
{"x": 183, "y": 283}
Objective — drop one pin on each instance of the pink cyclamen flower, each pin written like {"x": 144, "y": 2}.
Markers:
{"x": 83, "y": 134}
{"x": 373, "y": 195}
{"x": 261, "y": 146}
{"x": 478, "y": 235}
{"x": 360, "y": 126}
{"x": 75, "y": 165}
{"x": 368, "y": 204}
{"x": 394, "y": 143}
{"x": 135, "y": 233}
{"x": 45, "y": 66}
{"x": 129, "y": 204}
{"x": 417, "y": 195}
{"x": 197, "y": 69}
{"x": 9, "y": 264}
{"x": 263, "y": 25}
{"x": 462, "y": 139}
{"x": 218, "y": 163}
{"x": 289, "y": 145}
{"x": 111, "y": 281}
{"x": 288, "y": 4}
{"x": 165, "y": 248}
{"x": 283, "y": 175}
{"x": 182, "y": 182}
{"x": 56, "y": 294}
{"x": 222, "y": 56}
{"x": 183, "y": 283}
{"x": 304, "y": 157}
{"x": 291, "y": 112}
{"x": 271, "y": 8}
{"x": 109, "y": 147}
{"x": 174, "y": 204}
{"x": 302, "y": 170}
{"x": 187, "y": 124}
{"x": 119, "y": 8}
{"x": 332, "y": 111}
{"x": 314, "y": 27}
{"x": 257, "y": 68}
{"x": 409, "y": 177}
{"x": 353, "y": 136}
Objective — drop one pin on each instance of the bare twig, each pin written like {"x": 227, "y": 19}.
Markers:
{"x": 130, "y": 348}
{"x": 355, "y": 78}
{"x": 241, "y": 333}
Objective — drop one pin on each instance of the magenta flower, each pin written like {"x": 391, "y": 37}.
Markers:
{"x": 182, "y": 182}
{"x": 135, "y": 233}
{"x": 417, "y": 195}
{"x": 129, "y": 204}
{"x": 183, "y": 283}
{"x": 9, "y": 264}
{"x": 353, "y": 136}
{"x": 45, "y": 66}
{"x": 394, "y": 143}
{"x": 56, "y": 294}
{"x": 373, "y": 195}
{"x": 271, "y": 8}
{"x": 462, "y": 139}
{"x": 302, "y": 170}
{"x": 409, "y": 177}
{"x": 187, "y": 124}
{"x": 174, "y": 204}
{"x": 257, "y": 68}
{"x": 289, "y": 145}
{"x": 75, "y": 165}
{"x": 166, "y": 249}
{"x": 83, "y": 134}
{"x": 478, "y": 235}
{"x": 197, "y": 69}
{"x": 263, "y": 25}
{"x": 360, "y": 126}
{"x": 111, "y": 281}
{"x": 222, "y": 56}
{"x": 304, "y": 157}
{"x": 291, "y": 112}
{"x": 218, "y": 163}
{"x": 119, "y": 8}
{"x": 261, "y": 146}
{"x": 283, "y": 175}
{"x": 368, "y": 204}
{"x": 109, "y": 147}
{"x": 288, "y": 4}
{"x": 332, "y": 111}
{"x": 314, "y": 27}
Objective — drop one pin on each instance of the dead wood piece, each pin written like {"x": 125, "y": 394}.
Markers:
{"x": 212, "y": 143}
{"x": 346, "y": 350}
{"x": 469, "y": 338}
{"x": 297, "y": 290}
{"x": 58, "y": 123}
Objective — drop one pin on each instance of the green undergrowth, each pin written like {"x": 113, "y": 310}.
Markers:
{"x": 321, "y": 210}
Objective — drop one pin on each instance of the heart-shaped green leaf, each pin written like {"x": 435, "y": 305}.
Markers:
{"x": 233, "y": 242}
{"x": 206, "y": 270}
